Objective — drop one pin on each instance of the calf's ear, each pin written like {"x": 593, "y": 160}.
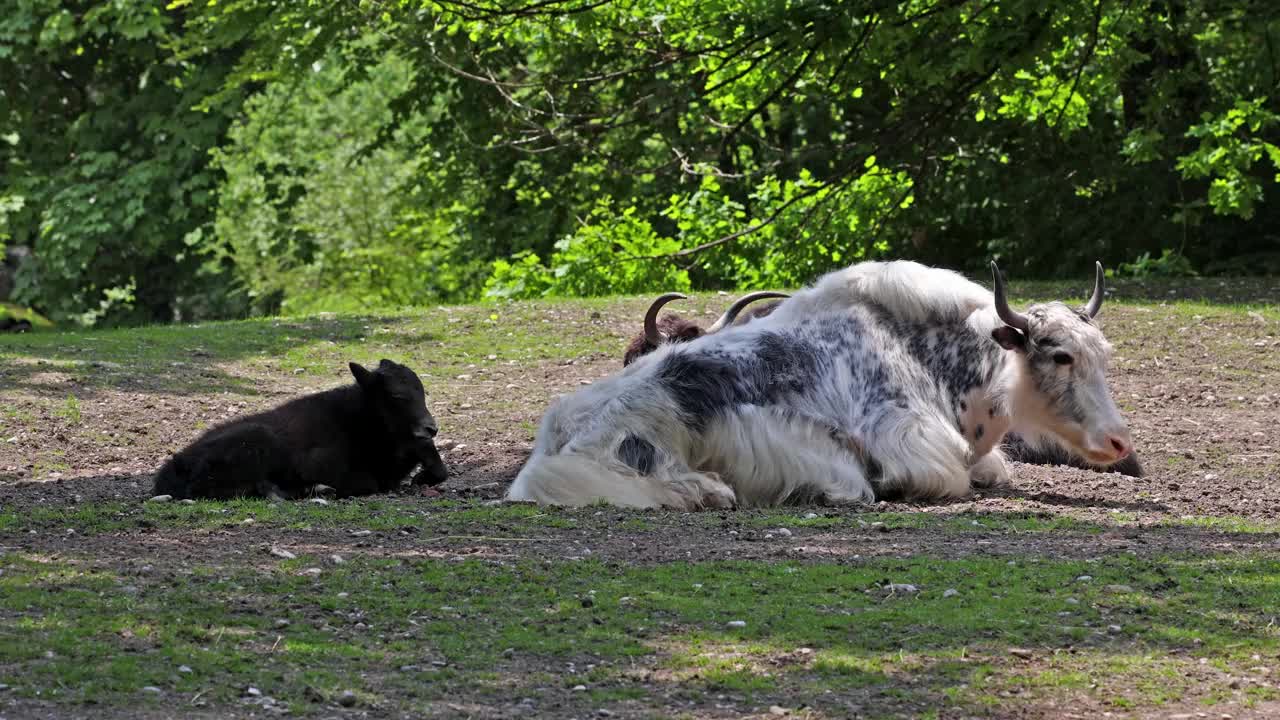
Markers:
{"x": 363, "y": 377}
{"x": 1010, "y": 338}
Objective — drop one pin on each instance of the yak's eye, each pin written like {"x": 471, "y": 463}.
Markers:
{"x": 1062, "y": 358}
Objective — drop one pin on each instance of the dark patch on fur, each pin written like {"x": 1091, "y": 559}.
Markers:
{"x": 638, "y": 453}
{"x": 979, "y": 432}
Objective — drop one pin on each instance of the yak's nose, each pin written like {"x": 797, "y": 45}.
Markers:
{"x": 1121, "y": 445}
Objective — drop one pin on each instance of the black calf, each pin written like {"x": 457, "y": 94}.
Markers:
{"x": 359, "y": 439}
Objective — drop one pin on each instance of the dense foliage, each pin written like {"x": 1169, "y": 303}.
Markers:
{"x": 191, "y": 158}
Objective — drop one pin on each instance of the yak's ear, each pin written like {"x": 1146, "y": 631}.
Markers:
{"x": 363, "y": 377}
{"x": 1010, "y": 338}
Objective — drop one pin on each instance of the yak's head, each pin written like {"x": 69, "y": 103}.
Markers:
{"x": 400, "y": 401}
{"x": 1066, "y": 362}
{"x": 675, "y": 329}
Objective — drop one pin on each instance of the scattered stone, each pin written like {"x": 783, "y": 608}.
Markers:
{"x": 152, "y": 689}
{"x": 312, "y": 572}
{"x": 1119, "y": 589}
{"x": 1072, "y": 601}
{"x": 253, "y": 692}
{"x": 950, "y": 592}
{"x": 282, "y": 553}
{"x": 604, "y": 713}
{"x": 337, "y": 559}
{"x": 1020, "y": 653}
{"x": 318, "y": 501}
{"x": 509, "y": 652}
{"x": 160, "y": 498}
{"x": 281, "y": 624}
{"x": 579, "y": 688}
{"x": 778, "y": 710}
{"x": 347, "y": 699}
{"x": 1114, "y": 629}
{"x": 1084, "y": 578}
{"x": 901, "y": 588}
{"x": 811, "y": 516}
{"x": 361, "y": 533}
{"x": 736, "y": 624}
{"x": 185, "y": 669}
{"x": 188, "y": 501}
{"x": 783, "y": 532}
{"x": 587, "y": 602}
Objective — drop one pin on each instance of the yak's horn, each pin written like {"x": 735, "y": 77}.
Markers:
{"x": 651, "y": 317}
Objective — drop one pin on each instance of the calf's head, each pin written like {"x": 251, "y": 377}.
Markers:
{"x": 397, "y": 395}
{"x": 1066, "y": 362}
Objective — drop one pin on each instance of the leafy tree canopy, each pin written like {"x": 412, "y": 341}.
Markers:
{"x": 196, "y": 158}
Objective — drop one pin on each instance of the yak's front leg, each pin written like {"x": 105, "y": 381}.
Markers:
{"x": 990, "y": 470}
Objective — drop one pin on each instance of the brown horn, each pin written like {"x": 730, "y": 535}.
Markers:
{"x": 651, "y": 317}
{"x": 1095, "y": 302}
{"x": 1010, "y": 317}
{"x": 732, "y": 313}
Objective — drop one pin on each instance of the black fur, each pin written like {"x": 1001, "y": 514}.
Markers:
{"x": 359, "y": 439}
{"x": 638, "y": 453}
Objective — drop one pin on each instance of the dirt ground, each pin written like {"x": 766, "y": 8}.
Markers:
{"x": 1200, "y": 389}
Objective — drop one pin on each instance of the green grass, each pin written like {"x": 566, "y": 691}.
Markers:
{"x": 74, "y": 634}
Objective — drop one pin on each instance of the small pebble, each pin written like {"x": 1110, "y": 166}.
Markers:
{"x": 152, "y": 689}
{"x": 1118, "y": 589}
{"x": 160, "y": 498}
{"x": 282, "y": 553}
{"x": 783, "y": 532}
{"x": 736, "y": 624}
{"x": 1084, "y": 578}
{"x": 184, "y": 669}
{"x": 253, "y": 692}
{"x": 1020, "y": 652}
{"x": 811, "y": 516}
{"x": 188, "y": 501}
{"x": 950, "y": 592}
{"x": 347, "y": 699}
{"x": 1114, "y": 629}
{"x": 901, "y": 588}
{"x": 579, "y": 688}
{"x": 336, "y": 559}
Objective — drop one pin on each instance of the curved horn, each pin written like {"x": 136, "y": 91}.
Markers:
{"x": 1007, "y": 315}
{"x": 732, "y": 313}
{"x": 651, "y": 317}
{"x": 1095, "y": 302}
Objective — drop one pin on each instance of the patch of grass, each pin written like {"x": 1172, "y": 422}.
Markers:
{"x": 71, "y": 633}
{"x": 1223, "y": 523}
{"x": 70, "y": 410}
{"x": 1004, "y": 522}
{"x": 376, "y": 514}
